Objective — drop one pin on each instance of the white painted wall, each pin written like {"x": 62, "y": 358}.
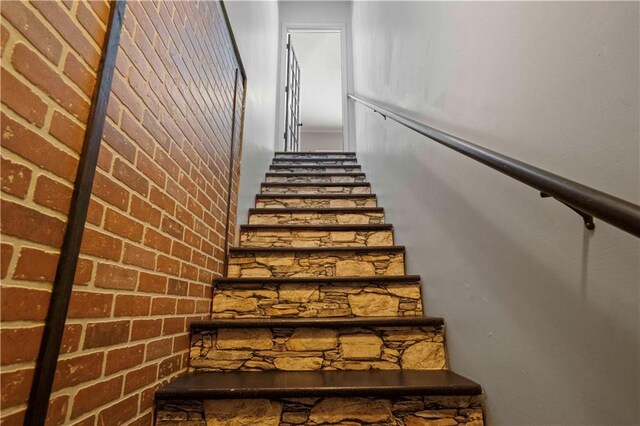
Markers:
{"x": 256, "y": 28}
{"x": 314, "y": 12}
{"x": 320, "y": 141}
{"x": 319, "y": 58}
{"x": 541, "y": 312}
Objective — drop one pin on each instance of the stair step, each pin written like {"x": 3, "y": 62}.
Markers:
{"x": 328, "y": 188}
{"x": 299, "y": 384}
{"x": 315, "y": 200}
{"x": 316, "y": 235}
{"x": 327, "y": 168}
{"x": 315, "y": 160}
{"x": 318, "y": 297}
{"x": 355, "y": 322}
{"x": 313, "y": 153}
{"x": 315, "y": 261}
{"x": 314, "y": 177}
{"x": 299, "y": 344}
{"x": 336, "y": 215}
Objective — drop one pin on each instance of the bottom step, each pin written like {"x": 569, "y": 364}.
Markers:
{"x": 409, "y": 398}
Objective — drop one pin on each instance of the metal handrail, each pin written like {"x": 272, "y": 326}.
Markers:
{"x": 586, "y": 201}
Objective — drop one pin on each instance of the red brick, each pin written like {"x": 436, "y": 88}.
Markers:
{"x": 97, "y": 244}
{"x": 151, "y": 170}
{"x": 169, "y": 366}
{"x": 76, "y": 370}
{"x": 31, "y": 225}
{"x": 6, "y": 252}
{"x": 163, "y": 306}
{"x": 152, "y": 283}
{"x": 181, "y": 250}
{"x": 123, "y": 358}
{"x": 173, "y": 326}
{"x": 167, "y": 164}
{"x": 89, "y": 421}
{"x": 53, "y": 194}
{"x": 102, "y": 334}
{"x": 130, "y": 177}
{"x": 23, "y": 304}
{"x": 67, "y": 131}
{"x": 144, "y": 211}
{"x": 119, "y": 413}
{"x": 158, "y": 349}
{"x": 156, "y": 240}
{"x": 129, "y": 305}
{"x": 83, "y": 271}
{"x": 36, "y": 265}
{"x": 71, "y": 338}
{"x": 105, "y": 158}
{"x": 79, "y": 73}
{"x": 19, "y": 344}
{"x": 14, "y": 178}
{"x": 162, "y": 200}
{"x": 101, "y": 9}
{"x": 140, "y": 377}
{"x": 132, "y": 114}
{"x": 92, "y": 397}
{"x": 29, "y": 64}
{"x": 84, "y": 304}
{"x": 15, "y": 418}
{"x": 138, "y": 256}
{"x": 32, "y": 28}
{"x": 57, "y": 411}
{"x": 114, "y": 276}
{"x": 167, "y": 265}
{"x": 186, "y": 306}
{"x": 118, "y": 141}
{"x": 157, "y": 132}
{"x": 110, "y": 191}
{"x": 20, "y": 98}
{"x": 4, "y": 37}
{"x": 15, "y": 387}
{"x": 90, "y": 22}
{"x": 123, "y": 226}
{"x": 172, "y": 227}
{"x": 32, "y": 147}
{"x": 146, "y": 329}
{"x": 182, "y": 342}
{"x": 94, "y": 214}
{"x": 61, "y": 20}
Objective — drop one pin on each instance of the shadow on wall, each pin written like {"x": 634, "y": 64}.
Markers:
{"x": 508, "y": 308}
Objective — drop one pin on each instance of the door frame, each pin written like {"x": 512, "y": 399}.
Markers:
{"x": 282, "y": 64}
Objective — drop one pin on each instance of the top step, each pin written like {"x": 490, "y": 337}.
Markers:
{"x": 314, "y": 153}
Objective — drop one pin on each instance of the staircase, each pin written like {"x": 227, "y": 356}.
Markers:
{"x": 317, "y": 322}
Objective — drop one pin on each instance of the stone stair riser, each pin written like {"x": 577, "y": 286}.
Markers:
{"x": 321, "y": 264}
{"x": 309, "y": 238}
{"x": 307, "y": 300}
{"x": 319, "y": 162}
{"x": 354, "y": 411}
{"x": 315, "y": 179}
{"x": 305, "y": 348}
{"x": 315, "y": 202}
{"x": 317, "y": 169}
{"x": 316, "y": 218}
{"x": 316, "y": 189}
{"x": 316, "y": 155}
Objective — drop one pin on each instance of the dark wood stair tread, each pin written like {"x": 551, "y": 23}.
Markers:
{"x": 383, "y": 249}
{"x": 286, "y": 384}
{"x": 350, "y": 153}
{"x": 319, "y": 322}
{"x": 320, "y": 227}
{"x": 311, "y": 166}
{"x": 320, "y": 280}
{"x": 279, "y": 184}
{"x": 330, "y": 210}
{"x": 309, "y": 174}
{"x": 304, "y": 195}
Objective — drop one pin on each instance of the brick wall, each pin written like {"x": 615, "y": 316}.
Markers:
{"x": 154, "y": 236}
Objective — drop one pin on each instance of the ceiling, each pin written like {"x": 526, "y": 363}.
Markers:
{"x": 319, "y": 58}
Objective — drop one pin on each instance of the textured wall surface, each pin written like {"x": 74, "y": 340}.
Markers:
{"x": 155, "y": 230}
{"x": 541, "y": 312}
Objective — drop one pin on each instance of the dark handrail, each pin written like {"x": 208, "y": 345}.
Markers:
{"x": 585, "y": 200}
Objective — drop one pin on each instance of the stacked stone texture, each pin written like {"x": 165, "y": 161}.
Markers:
{"x": 275, "y": 271}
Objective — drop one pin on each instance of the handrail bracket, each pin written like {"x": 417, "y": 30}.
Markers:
{"x": 586, "y": 217}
